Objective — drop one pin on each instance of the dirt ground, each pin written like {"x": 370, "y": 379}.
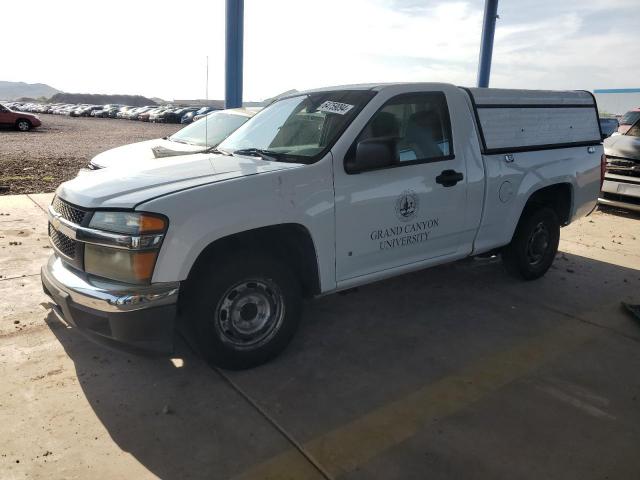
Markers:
{"x": 39, "y": 160}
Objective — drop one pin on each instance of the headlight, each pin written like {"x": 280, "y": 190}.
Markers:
{"x": 132, "y": 223}
{"x": 134, "y": 259}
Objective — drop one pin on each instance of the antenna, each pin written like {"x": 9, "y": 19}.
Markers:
{"x": 206, "y": 115}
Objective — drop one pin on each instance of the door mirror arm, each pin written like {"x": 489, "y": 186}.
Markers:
{"x": 372, "y": 154}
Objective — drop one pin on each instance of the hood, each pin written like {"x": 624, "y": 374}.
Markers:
{"x": 623, "y": 146}
{"x": 135, "y": 152}
{"x": 128, "y": 186}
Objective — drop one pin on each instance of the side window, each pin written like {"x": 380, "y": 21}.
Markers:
{"x": 419, "y": 123}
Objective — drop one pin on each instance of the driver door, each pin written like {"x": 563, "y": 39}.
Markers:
{"x": 402, "y": 214}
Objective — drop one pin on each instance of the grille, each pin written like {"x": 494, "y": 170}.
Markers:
{"x": 64, "y": 244}
{"x": 623, "y": 166}
{"x": 68, "y": 212}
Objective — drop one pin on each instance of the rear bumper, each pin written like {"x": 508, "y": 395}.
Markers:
{"x": 128, "y": 317}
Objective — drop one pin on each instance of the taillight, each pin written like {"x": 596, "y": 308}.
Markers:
{"x": 603, "y": 168}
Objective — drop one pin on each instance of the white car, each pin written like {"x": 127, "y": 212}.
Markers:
{"x": 319, "y": 192}
{"x": 197, "y": 137}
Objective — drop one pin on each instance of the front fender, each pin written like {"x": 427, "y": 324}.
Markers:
{"x": 202, "y": 215}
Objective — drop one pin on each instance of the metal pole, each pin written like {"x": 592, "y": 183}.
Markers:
{"x": 486, "y": 48}
{"x": 233, "y": 56}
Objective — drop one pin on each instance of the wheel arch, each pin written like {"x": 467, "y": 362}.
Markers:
{"x": 558, "y": 197}
{"x": 289, "y": 242}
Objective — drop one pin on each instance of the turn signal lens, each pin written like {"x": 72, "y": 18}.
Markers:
{"x": 150, "y": 223}
{"x": 142, "y": 265}
{"x": 603, "y": 168}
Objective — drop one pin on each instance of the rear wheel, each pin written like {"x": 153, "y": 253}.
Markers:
{"x": 534, "y": 244}
{"x": 23, "y": 125}
{"x": 245, "y": 310}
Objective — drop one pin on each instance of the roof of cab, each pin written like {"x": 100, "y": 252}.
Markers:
{"x": 243, "y": 111}
{"x": 366, "y": 86}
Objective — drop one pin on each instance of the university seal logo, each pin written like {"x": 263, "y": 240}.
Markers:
{"x": 407, "y": 205}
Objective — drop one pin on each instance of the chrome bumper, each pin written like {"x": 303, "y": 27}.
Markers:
{"x": 621, "y": 191}
{"x": 108, "y": 296}
{"x": 619, "y": 204}
{"x": 121, "y": 315}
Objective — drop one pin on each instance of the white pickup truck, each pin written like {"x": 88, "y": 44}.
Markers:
{"x": 321, "y": 191}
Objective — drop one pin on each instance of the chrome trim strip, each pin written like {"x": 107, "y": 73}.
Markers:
{"x": 108, "y": 296}
{"x": 618, "y": 204}
{"x": 99, "y": 237}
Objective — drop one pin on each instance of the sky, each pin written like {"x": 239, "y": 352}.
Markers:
{"x": 158, "y": 48}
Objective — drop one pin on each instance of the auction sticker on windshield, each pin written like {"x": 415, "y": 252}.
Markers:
{"x": 334, "y": 107}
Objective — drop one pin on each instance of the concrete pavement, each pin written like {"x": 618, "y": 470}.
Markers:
{"x": 454, "y": 372}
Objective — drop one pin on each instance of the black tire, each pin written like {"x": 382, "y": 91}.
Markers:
{"x": 534, "y": 244}
{"x": 23, "y": 125}
{"x": 229, "y": 298}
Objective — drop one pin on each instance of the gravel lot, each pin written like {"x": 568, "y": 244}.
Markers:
{"x": 39, "y": 160}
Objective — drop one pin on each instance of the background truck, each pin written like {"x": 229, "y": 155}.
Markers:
{"x": 621, "y": 187}
{"x": 321, "y": 191}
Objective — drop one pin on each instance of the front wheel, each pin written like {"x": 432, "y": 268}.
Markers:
{"x": 534, "y": 244}
{"x": 23, "y": 125}
{"x": 244, "y": 309}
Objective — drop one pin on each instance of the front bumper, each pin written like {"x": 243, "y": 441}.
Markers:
{"x": 129, "y": 317}
{"x": 621, "y": 191}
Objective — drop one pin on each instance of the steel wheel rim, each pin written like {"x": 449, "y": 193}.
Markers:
{"x": 538, "y": 244}
{"x": 250, "y": 313}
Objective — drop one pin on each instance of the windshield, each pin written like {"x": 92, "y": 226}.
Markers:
{"x": 210, "y": 130}
{"x": 630, "y": 118}
{"x": 634, "y": 131}
{"x": 302, "y": 126}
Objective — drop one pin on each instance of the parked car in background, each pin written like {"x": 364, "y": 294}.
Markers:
{"x": 174, "y": 116}
{"x": 199, "y": 136}
{"x": 110, "y": 112}
{"x": 629, "y": 119}
{"x": 608, "y": 126}
{"x": 124, "y": 111}
{"x": 135, "y": 114}
{"x": 18, "y": 120}
{"x": 621, "y": 186}
{"x": 190, "y": 116}
{"x": 156, "y": 115}
{"x": 145, "y": 116}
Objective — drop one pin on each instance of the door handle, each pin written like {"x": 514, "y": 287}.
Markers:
{"x": 448, "y": 178}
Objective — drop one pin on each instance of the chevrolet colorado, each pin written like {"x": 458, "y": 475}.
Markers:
{"x": 319, "y": 192}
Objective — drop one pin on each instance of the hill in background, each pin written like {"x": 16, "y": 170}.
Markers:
{"x": 15, "y": 90}
{"x": 98, "y": 99}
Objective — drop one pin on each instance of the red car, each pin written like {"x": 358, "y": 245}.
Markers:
{"x": 18, "y": 120}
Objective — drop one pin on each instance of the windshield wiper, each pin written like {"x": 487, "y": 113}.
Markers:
{"x": 265, "y": 154}
{"x": 216, "y": 151}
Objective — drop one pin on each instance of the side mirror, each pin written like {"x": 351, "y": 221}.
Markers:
{"x": 373, "y": 154}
